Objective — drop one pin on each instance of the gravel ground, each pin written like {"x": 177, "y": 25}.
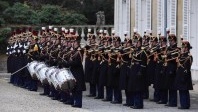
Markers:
{"x": 15, "y": 99}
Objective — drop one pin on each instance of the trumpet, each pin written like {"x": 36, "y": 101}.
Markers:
{"x": 129, "y": 48}
{"x": 173, "y": 57}
{"x": 157, "y": 50}
{"x": 173, "y": 51}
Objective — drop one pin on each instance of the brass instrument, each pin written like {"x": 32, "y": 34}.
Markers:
{"x": 172, "y": 55}
{"x": 128, "y": 50}
{"x": 173, "y": 58}
{"x": 155, "y": 50}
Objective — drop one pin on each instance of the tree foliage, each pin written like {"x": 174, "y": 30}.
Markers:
{"x": 50, "y": 15}
{"x": 38, "y": 11}
{"x": 4, "y": 34}
{"x": 3, "y": 6}
{"x": 75, "y": 19}
{"x": 20, "y": 14}
{"x": 56, "y": 15}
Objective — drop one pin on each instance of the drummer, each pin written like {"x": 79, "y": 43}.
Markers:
{"x": 34, "y": 55}
{"x": 76, "y": 67}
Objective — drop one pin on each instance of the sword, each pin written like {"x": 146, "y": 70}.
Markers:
{"x": 20, "y": 69}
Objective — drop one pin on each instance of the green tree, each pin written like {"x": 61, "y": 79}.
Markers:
{"x": 20, "y": 14}
{"x": 4, "y": 35}
{"x": 3, "y": 6}
{"x": 56, "y": 15}
{"x": 50, "y": 14}
{"x": 75, "y": 19}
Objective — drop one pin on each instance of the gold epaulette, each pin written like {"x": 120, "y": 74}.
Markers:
{"x": 35, "y": 48}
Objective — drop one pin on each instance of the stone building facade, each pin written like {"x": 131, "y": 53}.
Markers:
{"x": 179, "y": 16}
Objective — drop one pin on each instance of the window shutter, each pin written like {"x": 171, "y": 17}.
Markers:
{"x": 173, "y": 14}
{"x": 168, "y": 13}
{"x": 138, "y": 15}
{"x": 160, "y": 16}
{"x": 148, "y": 14}
{"x": 128, "y": 15}
{"x": 186, "y": 19}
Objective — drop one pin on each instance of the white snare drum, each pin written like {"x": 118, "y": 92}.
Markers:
{"x": 54, "y": 79}
{"x": 39, "y": 67}
{"x": 65, "y": 79}
{"x": 31, "y": 69}
{"x": 42, "y": 74}
{"x": 48, "y": 73}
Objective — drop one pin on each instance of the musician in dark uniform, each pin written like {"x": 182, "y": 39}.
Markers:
{"x": 44, "y": 56}
{"x": 26, "y": 45}
{"x": 103, "y": 67}
{"x": 160, "y": 71}
{"x": 19, "y": 60}
{"x": 89, "y": 59}
{"x": 50, "y": 60}
{"x": 76, "y": 67}
{"x": 96, "y": 66}
{"x": 67, "y": 98}
{"x": 12, "y": 63}
{"x": 183, "y": 79}
{"x": 23, "y": 75}
{"x": 125, "y": 59}
{"x": 113, "y": 73}
{"x": 34, "y": 55}
{"x": 152, "y": 65}
{"x": 145, "y": 43}
{"x": 171, "y": 67}
{"x": 10, "y": 55}
{"x": 56, "y": 47}
{"x": 137, "y": 74}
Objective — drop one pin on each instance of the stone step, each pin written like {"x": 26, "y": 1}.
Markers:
{"x": 5, "y": 75}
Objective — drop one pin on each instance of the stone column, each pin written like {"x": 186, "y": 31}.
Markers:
{"x": 116, "y": 16}
{"x": 95, "y": 33}
{"x": 132, "y": 16}
{"x": 83, "y": 33}
{"x": 154, "y": 17}
{"x": 179, "y": 21}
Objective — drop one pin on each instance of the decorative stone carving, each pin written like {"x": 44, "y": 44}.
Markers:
{"x": 100, "y": 18}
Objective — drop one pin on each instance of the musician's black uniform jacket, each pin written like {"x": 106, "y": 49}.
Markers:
{"x": 160, "y": 71}
{"x": 103, "y": 69}
{"x": 124, "y": 70}
{"x": 170, "y": 68}
{"x": 113, "y": 72}
{"x": 183, "y": 79}
{"x": 151, "y": 68}
{"x": 76, "y": 67}
{"x": 137, "y": 73}
{"x": 88, "y": 67}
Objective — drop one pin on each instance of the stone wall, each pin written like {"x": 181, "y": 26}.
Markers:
{"x": 3, "y": 63}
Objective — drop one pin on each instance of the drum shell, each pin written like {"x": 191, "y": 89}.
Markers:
{"x": 48, "y": 74}
{"x": 43, "y": 77}
{"x": 39, "y": 67}
{"x": 31, "y": 70}
{"x": 66, "y": 79}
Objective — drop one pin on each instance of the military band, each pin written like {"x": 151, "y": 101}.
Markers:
{"x": 110, "y": 66}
